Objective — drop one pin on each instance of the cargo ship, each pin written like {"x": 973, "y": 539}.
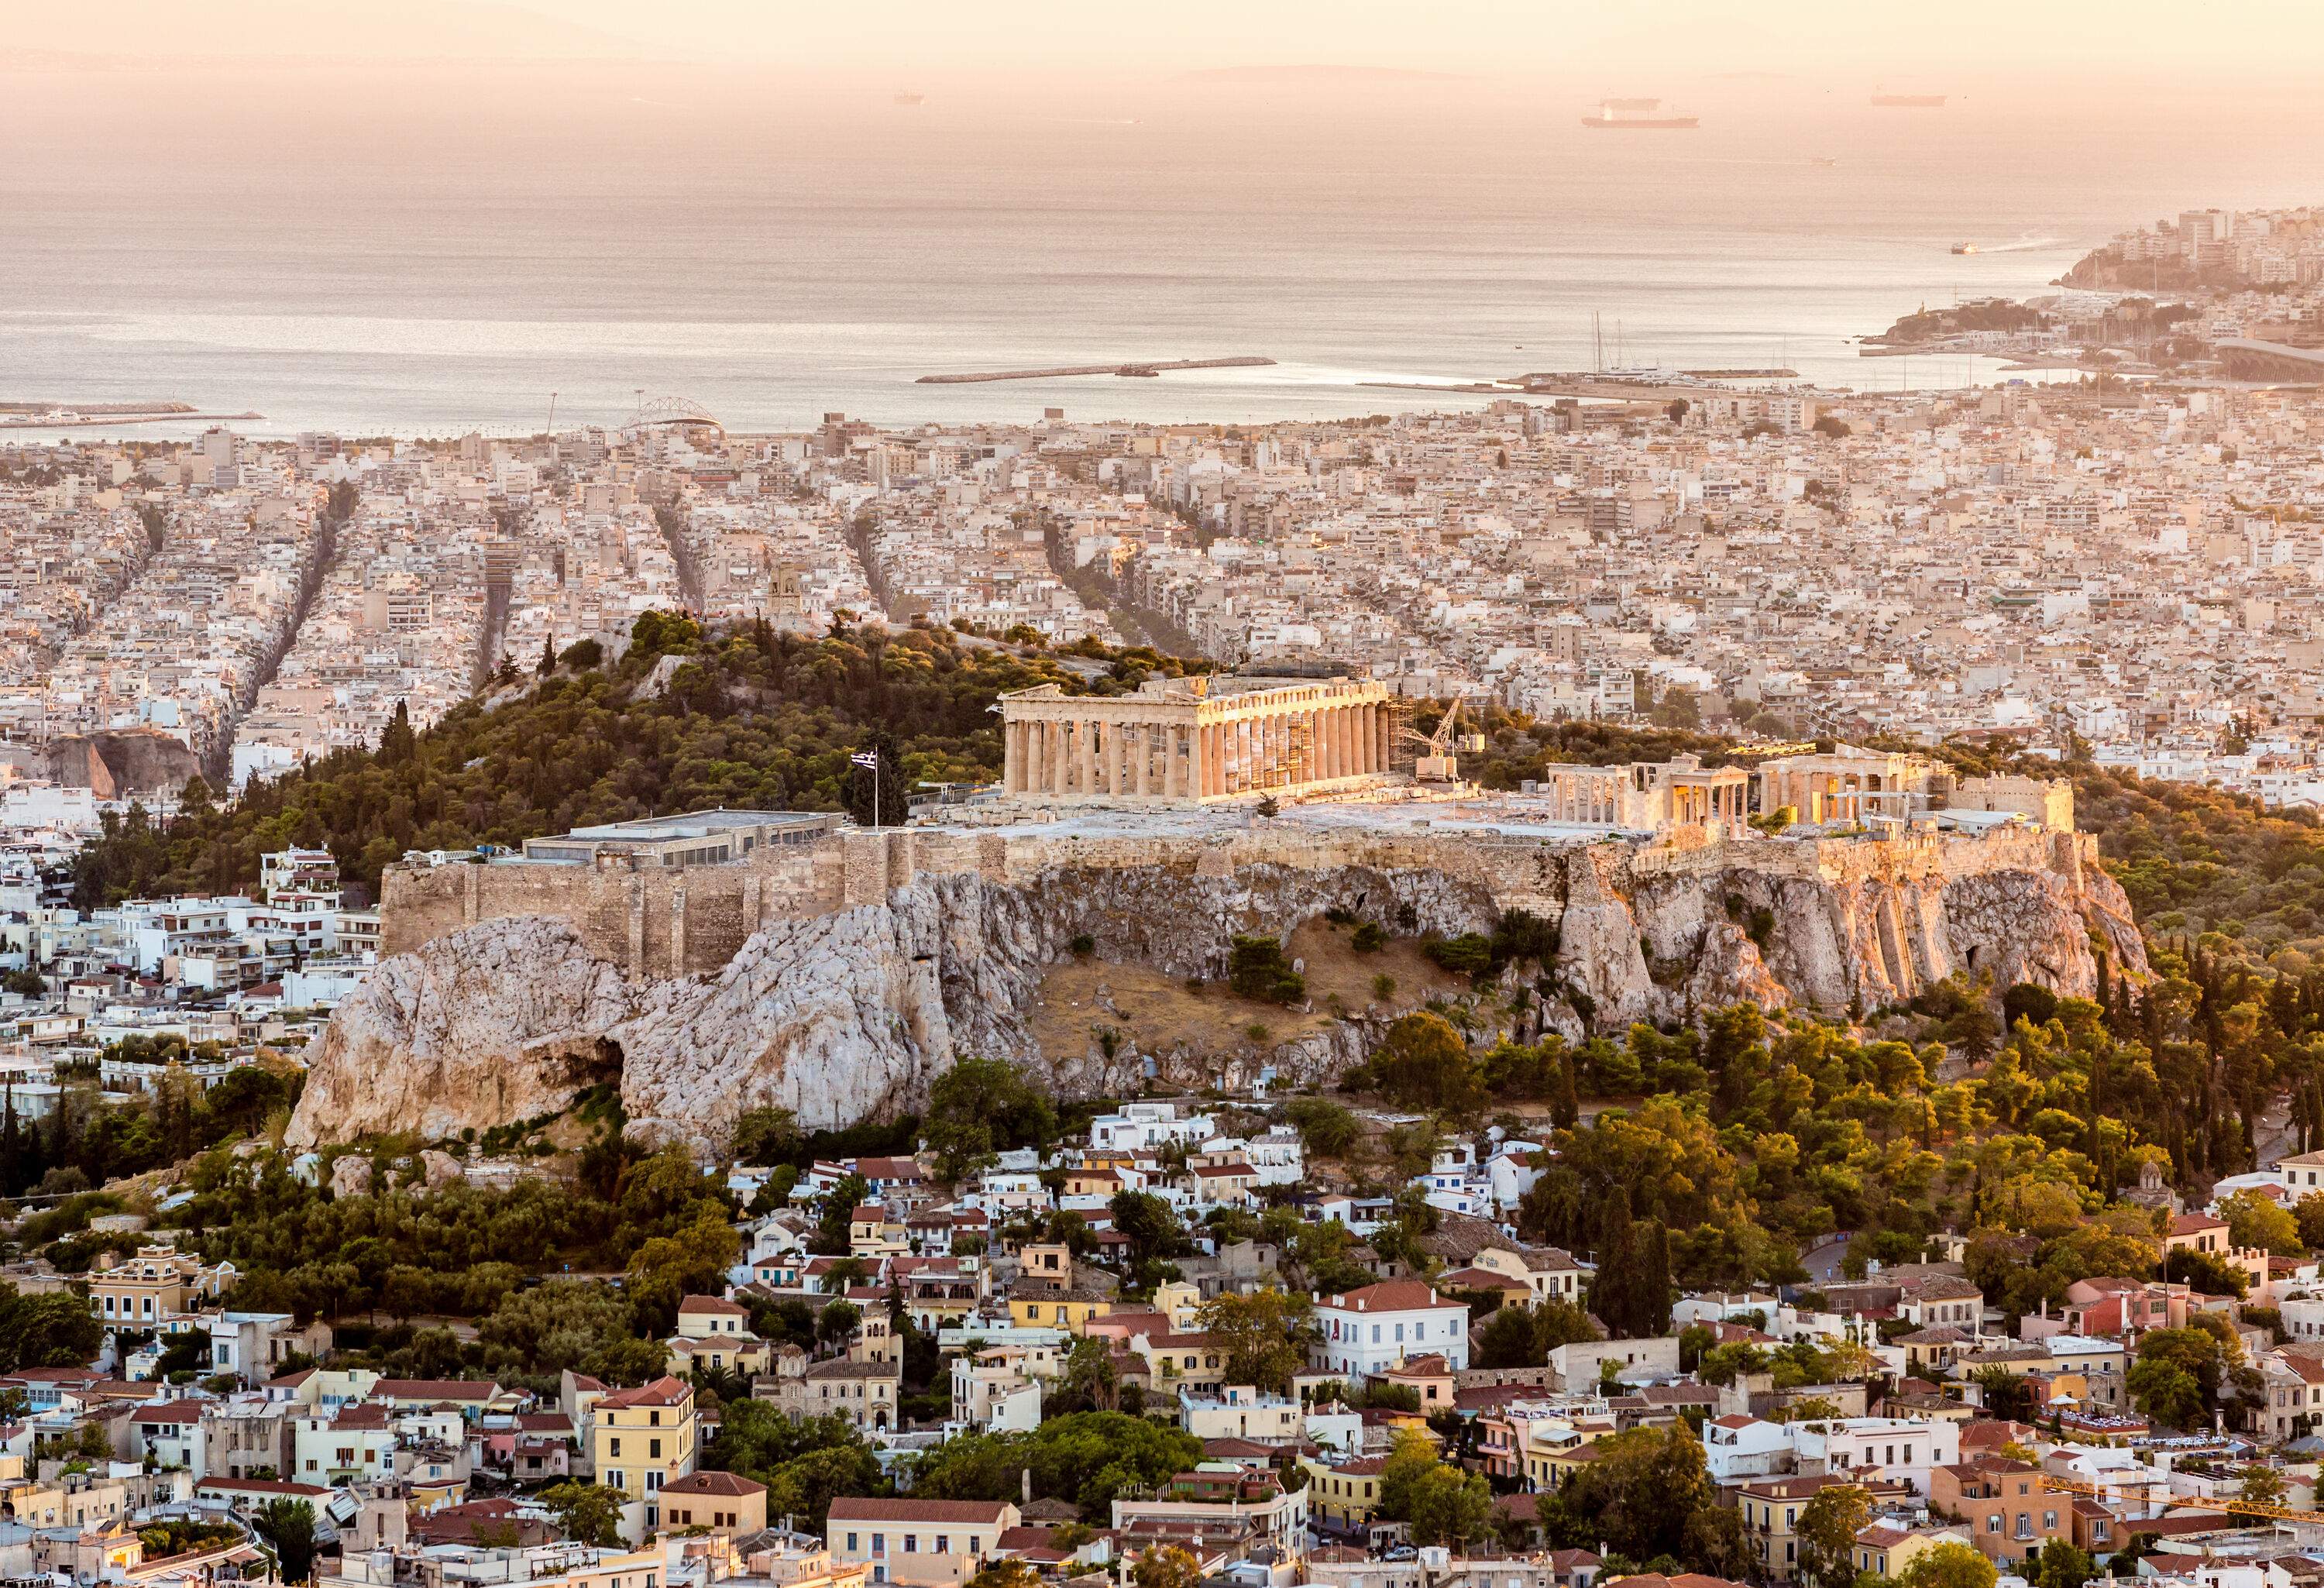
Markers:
{"x": 1964, "y": 247}
{"x": 909, "y": 98}
{"x": 1636, "y": 116}
{"x": 1908, "y": 101}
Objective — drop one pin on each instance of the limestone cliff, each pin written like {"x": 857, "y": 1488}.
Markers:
{"x": 850, "y": 1014}
{"x": 503, "y": 1022}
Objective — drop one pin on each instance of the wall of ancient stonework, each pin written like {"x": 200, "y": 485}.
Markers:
{"x": 837, "y": 980}
{"x": 649, "y": 922}
{"x": 694, "y": 921}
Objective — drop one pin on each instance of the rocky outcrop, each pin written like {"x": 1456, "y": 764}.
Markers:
{"x": 837, "y": 1019}
{"x": 500, "y": 1022}
{"x": 849, "y": 1015}
{"x": 1729, "y": 970}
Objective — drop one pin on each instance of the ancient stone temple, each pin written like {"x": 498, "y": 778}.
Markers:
{"x": 1185, "y": 741}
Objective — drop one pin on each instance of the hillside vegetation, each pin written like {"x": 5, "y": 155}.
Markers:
{"x": 749, "y": 718}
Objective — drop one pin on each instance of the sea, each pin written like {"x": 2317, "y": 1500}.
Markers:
{"x": 429, "y": 250}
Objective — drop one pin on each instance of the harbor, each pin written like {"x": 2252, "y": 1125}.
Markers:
{"x": 1133, "y": 369}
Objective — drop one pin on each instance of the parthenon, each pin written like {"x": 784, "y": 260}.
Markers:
{"x": 1185, "y": 741}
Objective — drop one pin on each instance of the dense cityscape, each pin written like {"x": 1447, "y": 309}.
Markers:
{"x": 1190, "y": 958}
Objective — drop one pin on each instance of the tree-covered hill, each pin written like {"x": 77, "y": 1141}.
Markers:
{"x": 748, "y": 718}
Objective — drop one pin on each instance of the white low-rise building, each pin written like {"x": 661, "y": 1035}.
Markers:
{"x": 1364, "y": 1333}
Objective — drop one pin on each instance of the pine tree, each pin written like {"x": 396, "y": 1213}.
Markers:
{"x": 397, "y": 743}
{"x": 547, "y": 654}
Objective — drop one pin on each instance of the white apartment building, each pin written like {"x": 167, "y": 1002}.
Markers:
{"x": 1364, "y": 1333}
{"x": 1145, "y": 1126}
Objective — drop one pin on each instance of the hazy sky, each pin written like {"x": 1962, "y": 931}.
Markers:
{"x": 2079, "y": 42}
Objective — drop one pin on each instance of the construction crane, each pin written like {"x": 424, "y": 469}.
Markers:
{"x": 1438, "y": 763}
{"x": 2239, "y": 1508}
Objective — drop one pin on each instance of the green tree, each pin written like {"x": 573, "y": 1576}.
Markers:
{"x": 1082, "y": 1457}
{"x": 585, "y": 1513}
{"x": 2259, "y": 1486}
{"x": 1827, "y": 1529}
{"x": 1152, "y": 1228}
{"x": 1006, "y": 1574}
{"x": 1449, "y": 1506}
{"x": 1524, "y": 1336}
{"x": 888, "y": 782}
{"x": 1257, "y": 969}
{"x": 1264, "y": 1336}
{"x": 804, "y": 1487}
{"x": 55, "y": 1330}
{"x": 1329, "y": 1131}
{"x": 2260, "y": 1221}
{"x": 1164, "y": 1566}
{"x": 288, "y": 1526}
{"x": 690, "y": 1261}
{"x": 2177, "y": 1377}
{"x": 1090, "y": 1382}
{"x": 2059, "y": 1565}
{"x": 982, "y": 1106}
{"x": 1644, "y": 1492}
{"x": 1423, "y": 1062}
{"x": 1949, "y": 1564}
{"x": 1411, "y": 1459}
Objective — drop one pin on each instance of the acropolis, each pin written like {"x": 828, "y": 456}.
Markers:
{"x": 1186, "y": 741}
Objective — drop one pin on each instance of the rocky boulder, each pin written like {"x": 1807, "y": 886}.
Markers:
{"x": 500, "y": 1021}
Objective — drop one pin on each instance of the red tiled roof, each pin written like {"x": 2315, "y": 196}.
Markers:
{"x": 715, "y": 1306}
{"x": 436, "y": 1389}
{"x": 711, "y": 1481}
{"x": 1393, "y": 1295}
{"x": 259, "y": 1486}
{"x": 862, "y": 1509}
{"x": 663, "y": 1392}
{"x": 174, "y": 1411}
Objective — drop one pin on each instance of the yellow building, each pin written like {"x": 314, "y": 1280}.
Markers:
{"x": 1555, "y": 1452}
{"x": 157, "y": 1283}
{"x": 874, "y": 1232}
{"x": 719, "y": 1501}
{"x": 1034, "y": 1302}
{"x": 641, "y": 1439}
{"x": 1884, "y": 1551}
{"x": 1345, "y": 1496}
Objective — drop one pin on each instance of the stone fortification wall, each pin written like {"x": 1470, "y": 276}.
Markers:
{"x": 661, "y": 923}
{"x": 649, "y": 921}
{"x": 837, "y": 979}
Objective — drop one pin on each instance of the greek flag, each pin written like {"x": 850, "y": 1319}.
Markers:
{"x": 864, "y": 757}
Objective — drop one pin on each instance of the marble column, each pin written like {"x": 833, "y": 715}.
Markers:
{"x": 1113, "y": 766}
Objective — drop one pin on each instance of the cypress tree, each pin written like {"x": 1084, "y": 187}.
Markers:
{"x": 1654, "y": 1299}
{"x": 1615, "y": 1295}
{"x": 1564, "y": 1099}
